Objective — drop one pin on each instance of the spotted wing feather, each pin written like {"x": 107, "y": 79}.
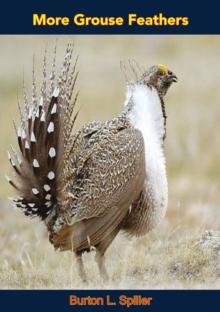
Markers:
{"x": 103, "y": 189}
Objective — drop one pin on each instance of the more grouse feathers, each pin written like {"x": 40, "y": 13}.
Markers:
{"x": 89, "y": 184}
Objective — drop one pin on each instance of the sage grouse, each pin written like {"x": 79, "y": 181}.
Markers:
{"x": 106, "y": 177}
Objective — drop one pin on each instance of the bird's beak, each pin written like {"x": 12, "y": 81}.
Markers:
{"x": 172, "y": 77}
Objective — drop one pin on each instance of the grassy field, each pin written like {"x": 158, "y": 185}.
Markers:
{"x": 169, "y": 256}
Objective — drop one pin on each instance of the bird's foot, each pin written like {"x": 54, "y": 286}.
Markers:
{"x": 100, "y": 259}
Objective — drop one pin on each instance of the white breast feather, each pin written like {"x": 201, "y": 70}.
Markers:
{"x": 146, "y": 116}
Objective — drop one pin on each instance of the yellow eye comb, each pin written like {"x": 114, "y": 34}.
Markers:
{"x": 163, "y": 68}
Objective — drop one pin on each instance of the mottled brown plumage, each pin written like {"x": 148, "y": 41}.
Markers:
{"x": 88, "y": 185}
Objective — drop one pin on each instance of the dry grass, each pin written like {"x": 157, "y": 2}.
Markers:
{"x": 168, "y": 257}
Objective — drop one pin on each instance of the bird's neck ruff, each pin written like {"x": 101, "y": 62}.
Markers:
{"x": 144, "y": 111}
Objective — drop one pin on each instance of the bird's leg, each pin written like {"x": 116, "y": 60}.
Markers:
{"x": 80, "y": 265}
{"x": 100, "y": 259}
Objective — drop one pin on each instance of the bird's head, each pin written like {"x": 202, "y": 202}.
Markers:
{"x": 159, "y": 77}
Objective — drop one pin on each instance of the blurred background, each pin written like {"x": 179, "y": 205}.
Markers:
{"x": 193, "y": 131}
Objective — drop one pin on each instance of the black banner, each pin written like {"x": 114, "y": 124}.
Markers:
{"x": 110, "y": 17}
{"x": 109, "y": 300}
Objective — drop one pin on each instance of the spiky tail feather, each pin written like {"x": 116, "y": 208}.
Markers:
{"x": 44, "y": 138}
